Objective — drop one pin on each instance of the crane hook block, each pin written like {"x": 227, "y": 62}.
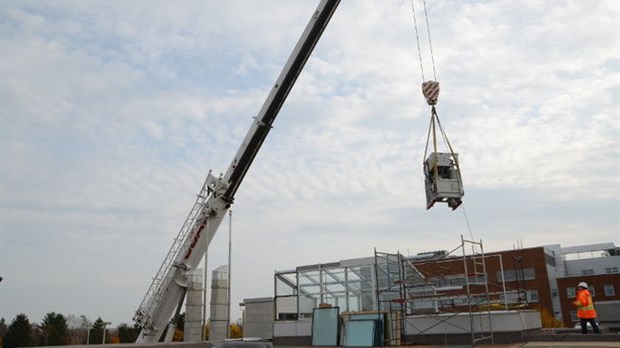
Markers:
{"x": 443, "y": 180}
{"x": 430, "y": 89}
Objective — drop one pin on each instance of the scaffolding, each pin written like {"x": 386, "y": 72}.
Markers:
{"x": 451, "y": 291}
{"x": 477, "y": 277}
{"x": 390, "y": 294}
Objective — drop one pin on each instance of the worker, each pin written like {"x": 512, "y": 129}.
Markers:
{"x": 585, "y": 308}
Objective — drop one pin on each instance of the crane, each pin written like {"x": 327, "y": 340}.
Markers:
{"x": 166, "y": 294}
{"x": 167, "y": 291}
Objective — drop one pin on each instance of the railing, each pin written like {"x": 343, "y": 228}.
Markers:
{"x": 153, "y": 296}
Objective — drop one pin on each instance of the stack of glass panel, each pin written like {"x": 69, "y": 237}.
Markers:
{"x": 325, "y": 326}
{"x": 363, "y": 333}
{"x": 364, "y": 330}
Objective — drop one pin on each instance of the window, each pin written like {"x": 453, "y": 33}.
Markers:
{"x": 549, "y": 259}
{"x": 521, "y": 274}
{"x": 609, "y": 290}
{"x": 570, "y": 292}
{"x": 611, "y": 269}
{"x": 447, "y": 303}
{"x": 591, "y": 290}
{"x": 587, "y": 271}
{"x": 449, "y": 281}
{"x": 532, "y": 295}
{"x": 479, "y": 278}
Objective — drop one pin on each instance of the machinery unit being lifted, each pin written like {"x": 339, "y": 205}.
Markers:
{"x": 442, "y": 180}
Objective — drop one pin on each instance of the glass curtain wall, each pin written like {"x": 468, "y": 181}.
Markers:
{"x": 299, "y": 291}
{"x": 350, "y": 285}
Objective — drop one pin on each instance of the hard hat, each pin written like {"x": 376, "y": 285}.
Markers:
{"x": 583, "y": 285}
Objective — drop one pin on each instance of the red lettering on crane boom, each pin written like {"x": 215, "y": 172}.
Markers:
{"x": 194, "y": 241}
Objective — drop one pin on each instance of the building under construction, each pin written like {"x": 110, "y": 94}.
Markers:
{"x": 442, "y": 297}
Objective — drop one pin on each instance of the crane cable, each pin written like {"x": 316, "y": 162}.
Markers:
{"x": 417, "y": 36}
{"x": 430, "y": 89}
{"x": 431, "y": 96}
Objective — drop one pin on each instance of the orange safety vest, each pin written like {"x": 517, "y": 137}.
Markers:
{"x": 585, "y": 306}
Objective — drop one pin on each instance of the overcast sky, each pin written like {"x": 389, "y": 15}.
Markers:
{"x": 112, "y": 113}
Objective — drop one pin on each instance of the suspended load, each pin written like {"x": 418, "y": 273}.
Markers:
{"x": 442, "y": 180}
{"x": 442, "y": 174}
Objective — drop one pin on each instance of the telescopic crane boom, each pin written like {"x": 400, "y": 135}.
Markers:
{"x": 167, "y": 291}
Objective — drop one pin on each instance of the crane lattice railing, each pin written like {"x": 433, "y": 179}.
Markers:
{"x": 153, "y": 296}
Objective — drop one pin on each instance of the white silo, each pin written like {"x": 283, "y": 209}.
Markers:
{"x": 219, "y": 304}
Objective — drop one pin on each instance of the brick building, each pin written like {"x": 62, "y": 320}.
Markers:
{"x": 541, "y": 277}
{"x": 514, "y": 278}
{"x": 599, "y": 266}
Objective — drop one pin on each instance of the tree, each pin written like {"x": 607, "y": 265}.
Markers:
{"x": 127, "y": 334}
{"x": 55, "y": 330}
{"x": 2, "y": 331}
{"x": 236, "y": 330}
{"x": 548, "y": 320}
{"x": 178, "y": 336}
{"x": 2, "y": 327}
{"x": 85, "y": 327}
{"x": 97, "y": 331}
{"x": 179, "y": 323}
{"x": 77, "y": 329}
{"x": 19, "y": 333}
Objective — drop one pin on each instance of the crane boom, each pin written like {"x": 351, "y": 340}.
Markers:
{"x": 216, "y": 195}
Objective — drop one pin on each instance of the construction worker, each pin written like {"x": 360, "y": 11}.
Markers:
{"x": 585, "y": 308}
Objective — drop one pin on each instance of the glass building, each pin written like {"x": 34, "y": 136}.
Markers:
{"x": 356, "y": 285}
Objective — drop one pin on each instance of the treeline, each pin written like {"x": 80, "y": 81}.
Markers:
{"x": 59, "y": 330}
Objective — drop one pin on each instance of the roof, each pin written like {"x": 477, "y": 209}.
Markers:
{"x": 588, "y": 247}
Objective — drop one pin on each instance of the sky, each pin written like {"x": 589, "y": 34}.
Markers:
{"x": 113, "y": 112}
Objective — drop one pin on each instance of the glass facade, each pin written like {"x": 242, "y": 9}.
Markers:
{"x": 299, "y": 292}
{"x": 366, "y": 284}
